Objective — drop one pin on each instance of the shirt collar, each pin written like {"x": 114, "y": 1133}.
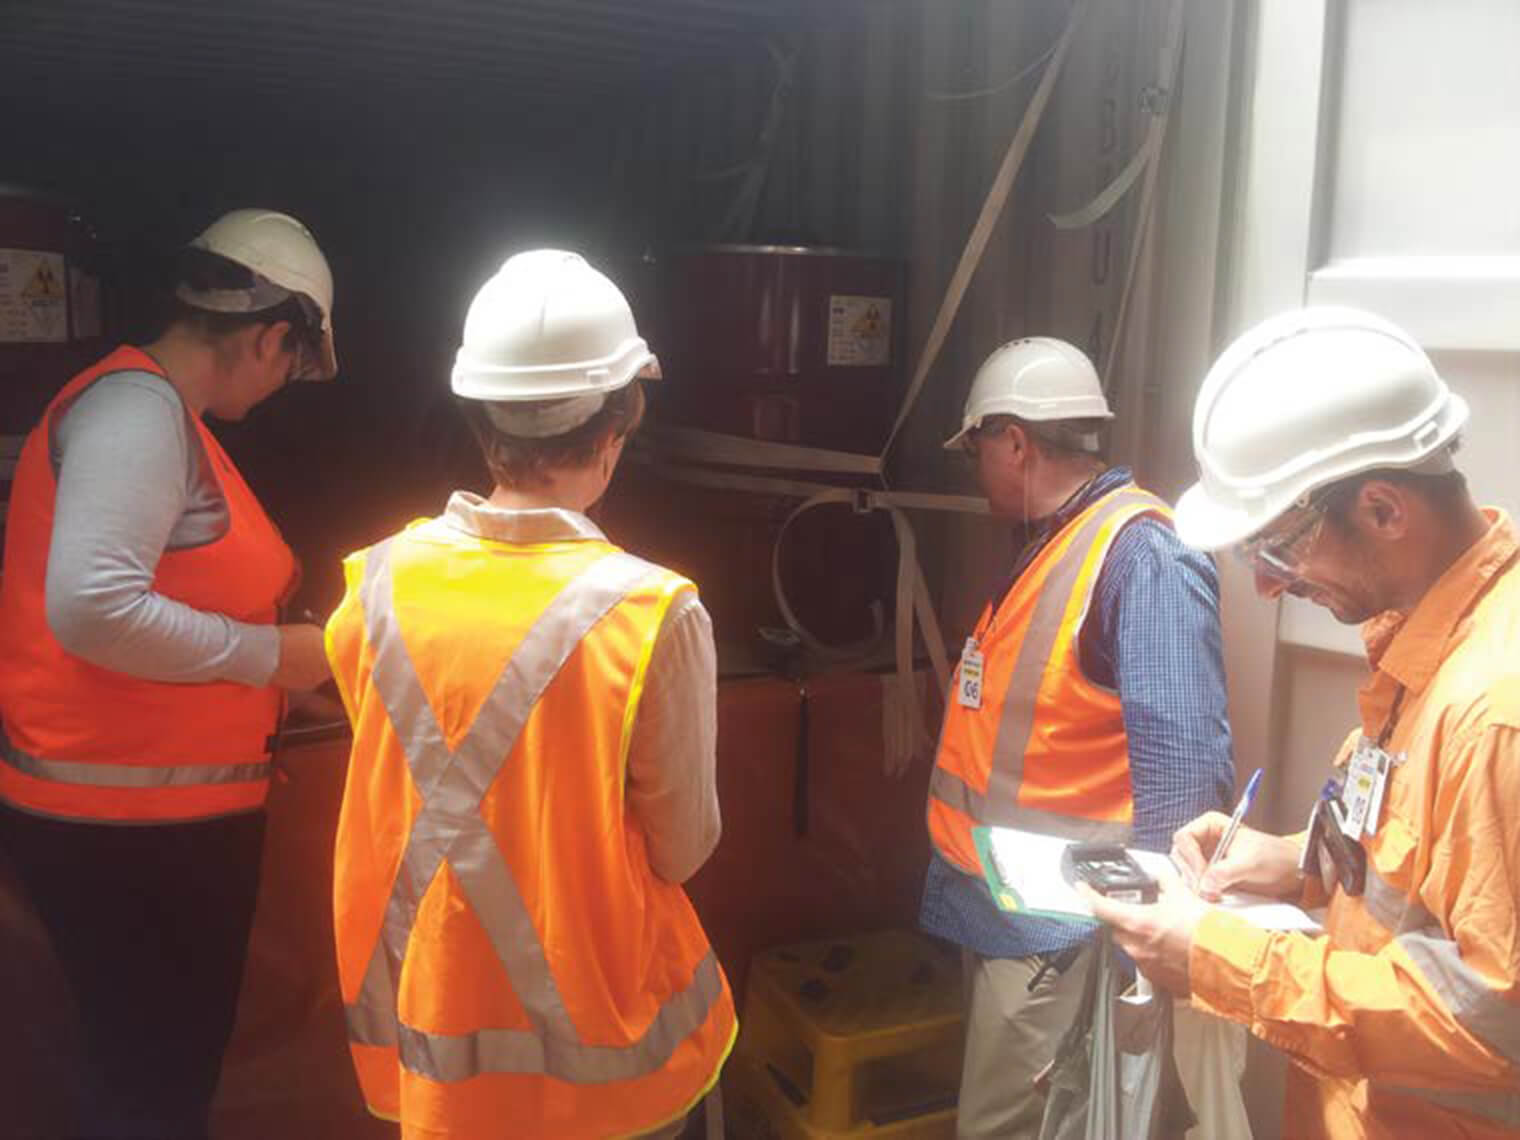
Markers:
{"x": 1101, "y": 484}
{"x": 1036, "y": 531}
{"x": 1029, "y": 538}
{"x": 475, "y": 516}
{"x": 1411, "y": 647}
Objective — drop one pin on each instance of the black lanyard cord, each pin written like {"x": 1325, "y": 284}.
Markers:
{"x": 1393, "y": 718}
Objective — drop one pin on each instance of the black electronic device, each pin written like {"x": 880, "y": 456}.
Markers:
{"x": 1110, "y": 870}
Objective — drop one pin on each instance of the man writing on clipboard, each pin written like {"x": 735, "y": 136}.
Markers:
{"x": 1324, "y": 439}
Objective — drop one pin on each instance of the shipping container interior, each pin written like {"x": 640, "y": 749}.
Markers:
{"x": 691, "y": 148}
{"x": 423, "y": 144}
{"x": 741, "y": 167}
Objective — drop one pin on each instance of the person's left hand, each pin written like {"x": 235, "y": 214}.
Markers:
{"x": 1159, "y": 935}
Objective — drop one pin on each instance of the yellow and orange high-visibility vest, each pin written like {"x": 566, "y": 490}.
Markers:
{"x": 1046, "y": 751}
{"x": 93, "y": 744}
{"x": 510, "y": 964}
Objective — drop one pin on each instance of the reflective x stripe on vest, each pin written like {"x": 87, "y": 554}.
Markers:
{"x": 1000, "y": 806}
{"x": 449, "y": 828}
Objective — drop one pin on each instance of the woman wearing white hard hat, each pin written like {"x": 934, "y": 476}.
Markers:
{"x": 145, "y": 669}
{"x": 532, "y": 774}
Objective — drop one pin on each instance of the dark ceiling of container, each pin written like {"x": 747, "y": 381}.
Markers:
{"x": 198, "y": 57}
{"x": 423, "y": 141}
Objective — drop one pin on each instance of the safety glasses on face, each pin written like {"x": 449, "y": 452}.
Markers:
{"x": 989, "y": 429}
{"x": 1279, "y": 552}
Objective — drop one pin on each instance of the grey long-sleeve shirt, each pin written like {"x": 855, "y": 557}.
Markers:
{"x": 672, "y": 758}
{"x": 133, "y": 483}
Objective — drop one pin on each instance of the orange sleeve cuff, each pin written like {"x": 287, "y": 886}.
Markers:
{"x": 1226, "y": 956}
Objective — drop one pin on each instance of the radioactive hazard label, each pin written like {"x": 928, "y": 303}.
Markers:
{"x": 860, "y": 330}
{"x": 34, "y": 302}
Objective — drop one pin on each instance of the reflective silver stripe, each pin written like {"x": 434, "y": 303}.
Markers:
{"x": 1017, "y": 724}
{"x": 1502, "y": 1108}
{"x": 131, "y": 775}
{"x": 950, "y": 789}
{"x": 1391, "y": 909}
{"x": 455, "y": 1056}
{"x": 1482, "y": 1010}
{"x": 449, "y": 828}
{"x": 372, "y": 1020}
{"x": 1068, "y": 826}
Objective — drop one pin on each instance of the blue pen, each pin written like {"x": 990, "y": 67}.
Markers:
{"x": 1234, "y": 825}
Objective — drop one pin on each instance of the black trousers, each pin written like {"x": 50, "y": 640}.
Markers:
{"x": 150, "y": 925}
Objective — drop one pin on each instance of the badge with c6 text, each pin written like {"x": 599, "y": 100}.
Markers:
{"x": 968, "y": 690}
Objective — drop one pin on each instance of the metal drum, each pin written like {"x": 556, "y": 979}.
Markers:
{"x": 796, "y": 345}
{"x": 793, "y": 344}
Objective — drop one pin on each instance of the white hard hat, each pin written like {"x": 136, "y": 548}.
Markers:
{"x": 285, "y": 260}
{"x": 1036, "y": 378}
{"x": 1300, "y": 401}
{"x": 548, "y": 327}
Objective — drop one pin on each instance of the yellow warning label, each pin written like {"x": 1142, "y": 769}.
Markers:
{"x": 34, "y": 299}
{"x": 44, "y": 285}
{"x": 860, "y": 330}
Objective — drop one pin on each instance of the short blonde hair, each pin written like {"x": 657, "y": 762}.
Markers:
{"x": 519, "y": 463}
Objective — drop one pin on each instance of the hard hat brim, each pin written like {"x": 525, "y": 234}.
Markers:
{"x": 1205, "y": 523}
{"x": 473, "y": 379}
{"x": 957, "y": 442}
{"x": 1208, "y": 525}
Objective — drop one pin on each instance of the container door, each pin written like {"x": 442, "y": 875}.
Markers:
{"x": 1381, "y": 155}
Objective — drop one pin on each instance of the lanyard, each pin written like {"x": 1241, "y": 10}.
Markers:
{"x": 1346, "y": 854}
{"x": 1039, "y": 532}
{"x": 1393, "y": 718}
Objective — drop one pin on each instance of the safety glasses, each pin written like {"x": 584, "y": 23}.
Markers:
{"x": 988, "y": 429}
{"x": 1280, "y": 551}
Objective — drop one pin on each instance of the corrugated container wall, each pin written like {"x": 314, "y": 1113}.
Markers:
{"x": 879, "y": 125}
{"x": 884, "y": 135}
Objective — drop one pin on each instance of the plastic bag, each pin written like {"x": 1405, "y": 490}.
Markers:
{"x": 1114, "y": 1076}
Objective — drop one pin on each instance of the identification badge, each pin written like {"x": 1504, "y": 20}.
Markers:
{"x": 1365, "y": 776}
{"x": 1386, "y": 765}
{"x": 969, "y": 687}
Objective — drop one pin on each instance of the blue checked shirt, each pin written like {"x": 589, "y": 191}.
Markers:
{"x": 1153, "y": 636}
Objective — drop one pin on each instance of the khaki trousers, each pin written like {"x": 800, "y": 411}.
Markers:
{"x": 1011, "y": 1034}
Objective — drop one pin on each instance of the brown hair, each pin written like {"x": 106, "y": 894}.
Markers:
{"x": 1056, "y": 439}
{"x": 519, "y": 463}
{"x": 1442, "y": 491}
{"x": 203, "y": 271}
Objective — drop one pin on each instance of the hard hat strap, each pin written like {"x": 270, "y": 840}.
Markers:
{"x": 1064, "y": 434}
{"x": 544, "y": 419}
{"x": 262, "y": 294}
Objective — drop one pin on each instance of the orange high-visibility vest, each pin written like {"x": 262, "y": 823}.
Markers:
{"x": 88, "y": 743}
{"x": 1046, "y": 751}
{"x": 509, "y": 963}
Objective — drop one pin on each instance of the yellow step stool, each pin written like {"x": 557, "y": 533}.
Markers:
{"x": 851, "y": 1037}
